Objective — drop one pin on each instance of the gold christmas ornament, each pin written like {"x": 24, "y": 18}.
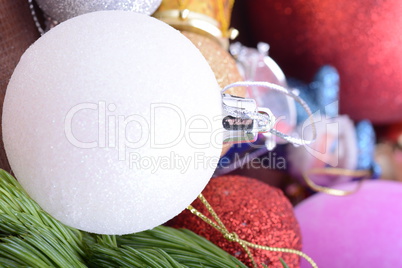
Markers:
{"x": 209, "y": 18}
{"x": 221, "y": 62}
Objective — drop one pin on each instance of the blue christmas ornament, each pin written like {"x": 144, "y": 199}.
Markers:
{"x": 354, "y": 145}
{"x": 365, "y": 137}
{"x": 321, "y": 94}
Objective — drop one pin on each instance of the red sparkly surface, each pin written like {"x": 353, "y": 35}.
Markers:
{"x": 257, "y": 212}
{"x": 361, "y": 38}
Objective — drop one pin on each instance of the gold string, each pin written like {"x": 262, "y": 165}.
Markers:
{"x": 233, "y": 237}
{"x": 335, "y": 172}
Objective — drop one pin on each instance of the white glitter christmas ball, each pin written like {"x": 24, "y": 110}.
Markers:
{"x": 112, "y": 129}
{"x": 61, "y": 10}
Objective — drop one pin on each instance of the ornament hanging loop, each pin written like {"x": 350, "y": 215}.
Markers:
{"x": 245, "y": 120}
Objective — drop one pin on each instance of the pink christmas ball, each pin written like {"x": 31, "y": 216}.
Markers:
{"x": 359, "y": 230}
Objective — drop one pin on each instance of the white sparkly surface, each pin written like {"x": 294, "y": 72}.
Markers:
{"x": 114, "y": 74}
{"x": 61, "y": 10}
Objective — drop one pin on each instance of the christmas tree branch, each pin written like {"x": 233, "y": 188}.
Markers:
{"x": 29, "y": 237}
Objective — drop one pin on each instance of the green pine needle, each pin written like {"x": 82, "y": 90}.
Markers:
{"x": 176, "y": 243}
{"x": 32, "y": 237}
{"x": 29, "y": 237}
{"x": 283, "y": 263}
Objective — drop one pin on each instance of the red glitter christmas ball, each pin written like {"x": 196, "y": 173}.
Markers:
{"x": 257, "y": 212}
{"x": 361, "y": 38}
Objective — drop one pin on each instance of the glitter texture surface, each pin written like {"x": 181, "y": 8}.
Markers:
{"x": 94, "y": 121}
{"x": 362, "y": 39}
{"x": 222, "y": 63}
{"x": 257, "y": 212}
{"x": 62, "y": 10}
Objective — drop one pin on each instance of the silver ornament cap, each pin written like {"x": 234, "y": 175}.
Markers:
{"x": 61, "y": 10}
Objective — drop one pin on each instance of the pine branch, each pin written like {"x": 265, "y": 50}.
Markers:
{"x": 182, "y": 245}
{"x": 130, "y": 257}
{"x": 32, "y": 237}
{"x": 29, "y": 237}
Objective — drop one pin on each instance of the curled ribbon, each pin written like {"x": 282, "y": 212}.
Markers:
{"x": 233, "y": 237}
